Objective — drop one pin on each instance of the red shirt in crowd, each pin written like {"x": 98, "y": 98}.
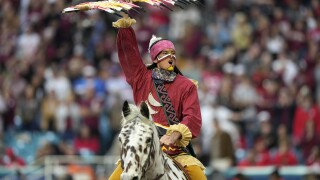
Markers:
{"x": 285, "y": 159}
{"x": 91, "y": 144}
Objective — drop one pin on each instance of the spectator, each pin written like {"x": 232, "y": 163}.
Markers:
{"x": 250, "y": 59}
{"x": 11, "y": 160}
{"x": 257, "y": 156}
{"x": 68, "y": 116}
{"x": 86, "y": 142}
{"x": 89, "y": 81}
{"x": 224, "y": 95}
{"x": 285, "y": 155}
{"x": 27, "y": 109}
{"x": 191, "y": 40}
{"x": 249, "y": 160}
{"x": 304, "y": 112}
{"x": 115, "y": 118}
{"x": 58, "y": 83}
{"x": 46, "y": 149}
{"x": 313, "y": 159}
{"x": 263, "y": 157}
{"x": 8, "y": 109}
{"x": 244, "y": 93}
{"x": 282, "y": 134}
{"x": 48, "y": 109}
{"x": 212, "y": 79}
{"x": 285, "y": 68}
{"x": 296, "y": 37}
{"x": 309, "y": 140}
{"x": 242, "y": 32}
{"x": 90, "y": 109}
{"x": 265, "y": 131}
{"x": 224, "y": 116}
{"x": 275, "y": 42}
{"x": 268, "y": 94}
{"x": 222, "y": 153}
{"x": 28, "y": 44}
{"x": 283, "y": 110}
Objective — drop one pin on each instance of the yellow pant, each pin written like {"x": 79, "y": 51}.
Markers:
{"x": 194, "y": 172}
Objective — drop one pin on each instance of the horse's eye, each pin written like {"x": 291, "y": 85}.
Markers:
{"x": 148, "y": 140}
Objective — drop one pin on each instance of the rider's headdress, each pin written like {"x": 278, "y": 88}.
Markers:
{"x": 156, "y": 45}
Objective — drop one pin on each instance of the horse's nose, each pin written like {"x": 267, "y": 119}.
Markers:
{"x": 135, "y": 178}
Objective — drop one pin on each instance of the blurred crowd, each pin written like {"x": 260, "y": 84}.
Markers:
{"x": 257, "y": 63}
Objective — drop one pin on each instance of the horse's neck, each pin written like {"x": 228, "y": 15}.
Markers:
{"x": 157, "y": 169}
{"x": 157, "y": 166}
{"x": 163, "y": 167}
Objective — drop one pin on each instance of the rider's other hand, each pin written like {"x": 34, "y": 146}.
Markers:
{"x": 169, "y": 140}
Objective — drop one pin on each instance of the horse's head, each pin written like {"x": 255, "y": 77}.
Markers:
{"x": 137, "y": 138}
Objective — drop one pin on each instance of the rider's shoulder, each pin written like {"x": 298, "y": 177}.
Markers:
{"x": 188, "y": 81}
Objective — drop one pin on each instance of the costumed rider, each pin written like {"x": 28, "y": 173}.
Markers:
{"x": 181, "y": 91}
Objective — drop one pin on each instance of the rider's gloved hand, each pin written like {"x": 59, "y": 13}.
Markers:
{"x": 124, "y": 22}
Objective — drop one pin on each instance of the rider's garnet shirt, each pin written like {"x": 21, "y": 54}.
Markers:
{"x": 182, "y": 91}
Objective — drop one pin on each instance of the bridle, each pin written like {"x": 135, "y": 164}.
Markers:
{"x": 147, "y": 164}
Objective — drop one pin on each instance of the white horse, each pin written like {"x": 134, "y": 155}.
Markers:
{"x": 141, "y": 154}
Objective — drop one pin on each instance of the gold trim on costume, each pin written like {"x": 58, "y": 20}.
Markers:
{"x": 152, "y": 101}
{"x": 150, "y": 109}
{"x": 186, "y": 134}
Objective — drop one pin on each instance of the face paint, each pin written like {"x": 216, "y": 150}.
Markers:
{"x": 165, "y": 56}
{"x": 166, "y": 59}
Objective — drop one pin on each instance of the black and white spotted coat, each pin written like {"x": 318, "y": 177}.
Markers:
{"x": 141, "y": 155}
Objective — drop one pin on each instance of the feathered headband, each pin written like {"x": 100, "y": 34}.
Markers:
{"x": 156, "y": 45}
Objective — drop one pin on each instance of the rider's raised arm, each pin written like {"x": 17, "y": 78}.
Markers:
{"x": 128, "y": 51}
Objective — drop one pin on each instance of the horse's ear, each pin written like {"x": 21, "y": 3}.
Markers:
{"x": 125, "y": 109}
{"x": 144, "y": 110}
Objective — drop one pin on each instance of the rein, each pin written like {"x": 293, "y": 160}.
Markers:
{"x": 144, "y": 168}
{"x": 148, "y": 163}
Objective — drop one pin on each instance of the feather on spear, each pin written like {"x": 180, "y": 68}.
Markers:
{"x": 117, "y": 6}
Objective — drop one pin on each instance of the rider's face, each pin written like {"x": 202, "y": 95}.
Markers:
{"x": 167, "y": 59}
